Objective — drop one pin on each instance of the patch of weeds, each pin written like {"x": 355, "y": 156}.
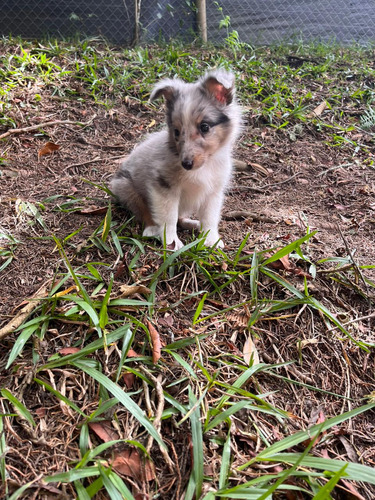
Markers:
{"x": 367, "y": 120}
{"x": 8, "y": 246}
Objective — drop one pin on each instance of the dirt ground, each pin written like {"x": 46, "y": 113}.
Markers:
{"x": 293, "y": 181}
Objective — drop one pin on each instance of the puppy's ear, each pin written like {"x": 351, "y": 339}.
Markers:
{"x": 220, "y": 85}
{"x": 165, "y": 88}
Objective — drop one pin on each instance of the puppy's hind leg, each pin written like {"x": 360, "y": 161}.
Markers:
{"x": 189, "y": 224}
{"x": 123, "y": 189}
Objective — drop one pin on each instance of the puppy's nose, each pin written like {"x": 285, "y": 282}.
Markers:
{"x": 187, "y": 164}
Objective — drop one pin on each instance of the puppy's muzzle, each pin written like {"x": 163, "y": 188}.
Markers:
{"x": 187, "y": 164}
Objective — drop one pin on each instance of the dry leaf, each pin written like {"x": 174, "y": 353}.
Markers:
{"x": 25, "y": 311}
{"x": 129, "y": 463}
{"x": 47, "y": 149}
{"x": 132, "y": 354}
{"x": 104, "y": 430}
{"x": 307, "y": 342}
{"x": 250, "y": 352}
{"x": 151, "y": 124}
{"x": 156, "y": 343}
{"x": 167, "y": 321}
{"x": 260, "y": 169}
{"x": 68, "y": 350}
{"x": 128, "y": 290}
{"x": 93, "y": 211}
{"x": 319, "y": 109}
{"x": 285, "y": 264}
{"x": 129, "y": 379}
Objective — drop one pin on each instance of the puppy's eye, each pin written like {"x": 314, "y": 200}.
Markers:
{"x": 204, "y": 127}
{"x": 176, "y": 133}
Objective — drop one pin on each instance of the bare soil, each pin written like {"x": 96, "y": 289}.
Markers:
{"x": 293, "y": 181}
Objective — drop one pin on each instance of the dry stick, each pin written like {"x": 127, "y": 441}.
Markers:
{"x": 46, "y": 124}
{"x": 355, "y": 320}
{"x": 25, "y": 311}
{"x": 158, "y": 416}
{"x": 238, "y": 214}
{"x": 83, "y": 163}
{"x": 281, "y": 182}
{"x": 356, "y": 267}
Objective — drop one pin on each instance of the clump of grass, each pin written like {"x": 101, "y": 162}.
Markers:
{"x": 202, "y": 389}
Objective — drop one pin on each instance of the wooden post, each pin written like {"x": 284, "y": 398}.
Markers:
{"x": 137, "y": 15}
{"x": 202, "y": 19}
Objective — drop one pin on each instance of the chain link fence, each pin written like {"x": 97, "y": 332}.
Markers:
{"x": 126, "y": 22}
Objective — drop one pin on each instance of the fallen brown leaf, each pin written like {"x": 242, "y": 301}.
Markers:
{"x": 68, "y": 350}
{"x": 250, "y": 352}
{"x": 93, "y": 211}
{"x": 104, "y": 430}
{"x": 156, "y": 343}
{"x": 319, "y": 109}
{"x": 129, "y": 463}
{"x": 129, "y": 377}
{"x": 47, "y": 149}
{"x": 285, "y": 264}
{"x": 128, "y": 290}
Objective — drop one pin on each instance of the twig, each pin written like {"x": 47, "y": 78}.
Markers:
{"x": 246, "y": 188}
{"x": 356, "y": 267}
{"x": 46, "y": 124}
{"x": 82, "y": 164}
{"x": 20, "y": 317}
{"x": 266, "y": 186}
{"x": 335, "y": 270}
{"x": 158, "y": 416}
{"x": 239, "y": 214}
{"x": 355, "y": 320}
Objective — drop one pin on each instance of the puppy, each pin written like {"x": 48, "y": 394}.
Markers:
{"x": 184, "y": 169}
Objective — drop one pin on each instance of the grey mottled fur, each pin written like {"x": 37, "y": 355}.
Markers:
{"x": 185, "y": 168}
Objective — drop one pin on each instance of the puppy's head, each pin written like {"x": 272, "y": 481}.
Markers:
{"x": 199, "y": 115}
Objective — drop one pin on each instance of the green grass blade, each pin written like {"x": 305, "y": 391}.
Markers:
{"x": 121, "y": 486}
{"x": 89, "y": 349}
{"x": 73, "y": 475}
{"x": 20, "y": 408}
{"x": 60, "y": 396}
{"x": 20, "y": 343}
{"x": 324, "y": 492}
{"x": 107, "y": 223}
{"x": 81, "y": 491}
{"x": 103, "y": 315}
{"x": 3, "y": 450}
{"x": 225, "y": 462}
{"x": 111, "y": 489}
{"x": 122, "y": 397}
{"x": 353, "y": 471}
{"x": 18, "y": 493}
{"x": 171, "y": 258}
{"x": 227, "y": 413}
{"x": 301, "y": 436}
{"x": 81, "y": 288}
{"x": 199, "y": 308}
{"x": 288, "y": 249}
{"x": 197, "y": 438}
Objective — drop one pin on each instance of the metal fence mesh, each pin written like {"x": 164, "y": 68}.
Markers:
{"x": 257, "y": 22}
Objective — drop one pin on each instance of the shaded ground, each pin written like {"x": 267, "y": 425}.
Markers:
{"x": 300, "y": 181}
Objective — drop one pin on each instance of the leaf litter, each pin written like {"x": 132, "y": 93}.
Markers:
{"x": 306, "y": 364}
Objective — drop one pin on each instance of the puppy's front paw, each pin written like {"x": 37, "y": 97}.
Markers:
{"x": 215, "y": 240}
{"x": 150, "y": 231}
{"x": 175, "y": 245}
